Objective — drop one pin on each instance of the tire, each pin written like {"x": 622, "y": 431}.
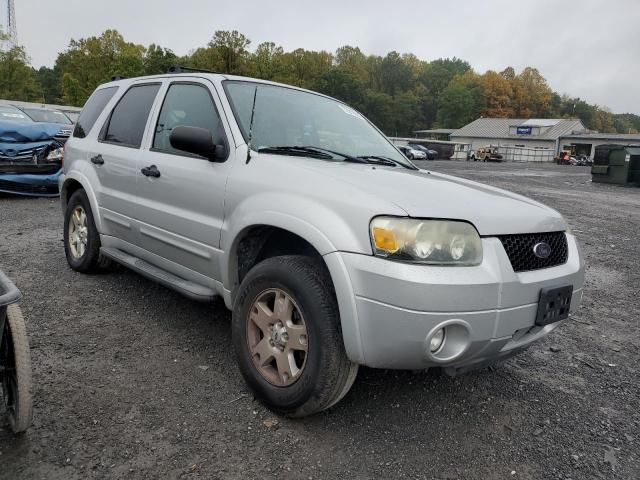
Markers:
{"x": 16, "y": 357}
{"x": 326, "y": 374}
{"x": 86, "y": 258}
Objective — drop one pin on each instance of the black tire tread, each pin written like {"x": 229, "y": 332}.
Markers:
{"x": 21, "y": 420}
{"x": 339, "y": 372}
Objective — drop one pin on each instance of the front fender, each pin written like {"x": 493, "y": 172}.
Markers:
{"x": 323, "y": 228}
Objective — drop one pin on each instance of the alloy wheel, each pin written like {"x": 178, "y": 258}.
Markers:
{"x": 78, "y": 232}
{"x": 277, "y": 337}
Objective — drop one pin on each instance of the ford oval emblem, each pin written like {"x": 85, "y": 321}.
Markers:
{"x": 542, "y": 250}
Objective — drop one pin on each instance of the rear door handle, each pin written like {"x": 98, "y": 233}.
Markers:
{"x": 98, "y": 160}
{"x": 150, "y": 171}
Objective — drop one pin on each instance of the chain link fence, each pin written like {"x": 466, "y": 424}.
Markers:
{"x": 524, "y": 154}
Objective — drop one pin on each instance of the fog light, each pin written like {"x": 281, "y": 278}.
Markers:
{"x": 436, "y": 340}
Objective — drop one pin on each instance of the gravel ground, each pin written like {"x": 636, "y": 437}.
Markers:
{"x": 134, "y": 381}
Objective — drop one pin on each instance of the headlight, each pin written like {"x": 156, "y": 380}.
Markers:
{"x": 56, "y": 155}
{"x": 434, "y": 242}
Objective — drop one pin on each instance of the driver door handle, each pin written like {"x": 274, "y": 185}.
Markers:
{"x": 97, "y": 160}
{"x": 150, "y": 171}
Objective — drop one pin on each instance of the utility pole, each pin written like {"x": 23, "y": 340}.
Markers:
{"x": 10, "y": 29}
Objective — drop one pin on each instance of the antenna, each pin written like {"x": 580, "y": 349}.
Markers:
{"x": 253, "y": 111}
{"x": 10, "y": 26}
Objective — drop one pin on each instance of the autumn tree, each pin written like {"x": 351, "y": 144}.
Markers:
{"x": 498, "y": 96}
{"x": 399, "y": 92}
{"x": 531, "y": 95}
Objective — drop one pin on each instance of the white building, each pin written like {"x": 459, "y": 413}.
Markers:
{"x": 532, "y": 139}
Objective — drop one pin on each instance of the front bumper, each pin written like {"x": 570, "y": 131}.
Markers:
{"x": 390, "y": 309}
{"x": 31, "y": 184}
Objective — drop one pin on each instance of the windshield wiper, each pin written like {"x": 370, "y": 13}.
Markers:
{"x": 385, "y": 161}
{"x": 295, "y": 151}
{"x": 319, "y": 152}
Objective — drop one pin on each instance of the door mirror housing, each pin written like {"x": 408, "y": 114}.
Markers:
{"x": 199, "y": 141}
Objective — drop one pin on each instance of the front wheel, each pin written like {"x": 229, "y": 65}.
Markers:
{"x": 15, "y": 368}
{"x": 287, "y": 337}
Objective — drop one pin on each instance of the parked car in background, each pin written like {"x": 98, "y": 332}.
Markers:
{"x": 46, "y": 115}
{"x": 9, "y": 113}
{"x": 486, "y": 154}
{"x": 431, "y": 154}
{"x": 330, "y": 247}
{"x": 31, "y": 153}
{"x": 412, "y": 153}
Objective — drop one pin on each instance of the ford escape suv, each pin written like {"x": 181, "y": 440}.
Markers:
{"x": 330, "y": 247}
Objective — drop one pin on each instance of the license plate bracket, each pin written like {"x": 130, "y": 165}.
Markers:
{"x": 554, "y": 304}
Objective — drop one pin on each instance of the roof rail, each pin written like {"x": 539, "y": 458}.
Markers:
{"x": 181, "y": 69}
{"x": 115, "y": 78}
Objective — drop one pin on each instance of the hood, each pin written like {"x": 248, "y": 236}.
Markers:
{"x": 425, "y": 194}
{"x": 23, "y": 132}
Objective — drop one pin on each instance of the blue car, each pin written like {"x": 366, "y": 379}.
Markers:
{"x": 31, "y": 153}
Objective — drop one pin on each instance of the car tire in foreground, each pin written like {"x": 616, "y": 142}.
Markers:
{"x": 15, "y": 359}
{"x": 81, "y": 237}
{"x": 287, "y": 337}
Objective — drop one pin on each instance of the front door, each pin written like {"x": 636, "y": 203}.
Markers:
{"x": 181, "y": 207}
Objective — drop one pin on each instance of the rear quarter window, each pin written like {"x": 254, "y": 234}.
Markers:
{"x": 92, "y": 110}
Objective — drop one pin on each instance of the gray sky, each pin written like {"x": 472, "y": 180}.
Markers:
{"x": 586, "y": 48}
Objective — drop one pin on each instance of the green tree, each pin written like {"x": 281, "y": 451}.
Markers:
{"x": 157, "y": 60}
{"x": 49, "y": 80}
{"x": 352, "y": 60}
{"x": 462, "y": 101}
{"x": 395, "y": 75}
{"x": 232, "y": 48}
{"x": 88, "y": 62}
{"x": 17, "y": 78}
{"x": 267, "y": 62}
{"x": 342, "y": 85}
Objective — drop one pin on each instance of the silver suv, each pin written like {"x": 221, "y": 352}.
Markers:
{"x": 330, "y": 247}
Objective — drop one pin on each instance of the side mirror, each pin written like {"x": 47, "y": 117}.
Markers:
{"x": 197, "y": 140}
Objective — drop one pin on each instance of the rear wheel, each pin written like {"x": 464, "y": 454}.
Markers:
{"x": 81, "y": 237}
{"x": 15, "y": 365}
{"x": 287, "y": 336}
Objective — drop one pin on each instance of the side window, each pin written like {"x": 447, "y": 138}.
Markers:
{"x": 187, "y": 105}
{"x": 92, "y": 110}
{"x": 129, "y": 117}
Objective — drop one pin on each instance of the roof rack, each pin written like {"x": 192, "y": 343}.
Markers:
{"x": 181, "y": 69}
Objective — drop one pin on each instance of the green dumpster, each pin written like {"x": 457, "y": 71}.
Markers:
{"x": 619, "y": 164}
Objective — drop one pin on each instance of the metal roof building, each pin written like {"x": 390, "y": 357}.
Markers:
{"x": 538, "y": 137}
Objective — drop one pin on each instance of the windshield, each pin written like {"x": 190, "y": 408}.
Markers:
{"x": 289, "y": 117}
{"x": 12, "y": 114}
{"x": 48, "y": 116}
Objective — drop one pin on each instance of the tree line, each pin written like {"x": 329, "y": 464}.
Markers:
{"x": 399, "y": 92}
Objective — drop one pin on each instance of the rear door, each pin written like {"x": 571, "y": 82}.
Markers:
{"x": 119, "y": 145}
{"x": 181, "y": 211}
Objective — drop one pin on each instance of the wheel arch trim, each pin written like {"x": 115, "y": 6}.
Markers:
{"x": 75, "y": 176}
